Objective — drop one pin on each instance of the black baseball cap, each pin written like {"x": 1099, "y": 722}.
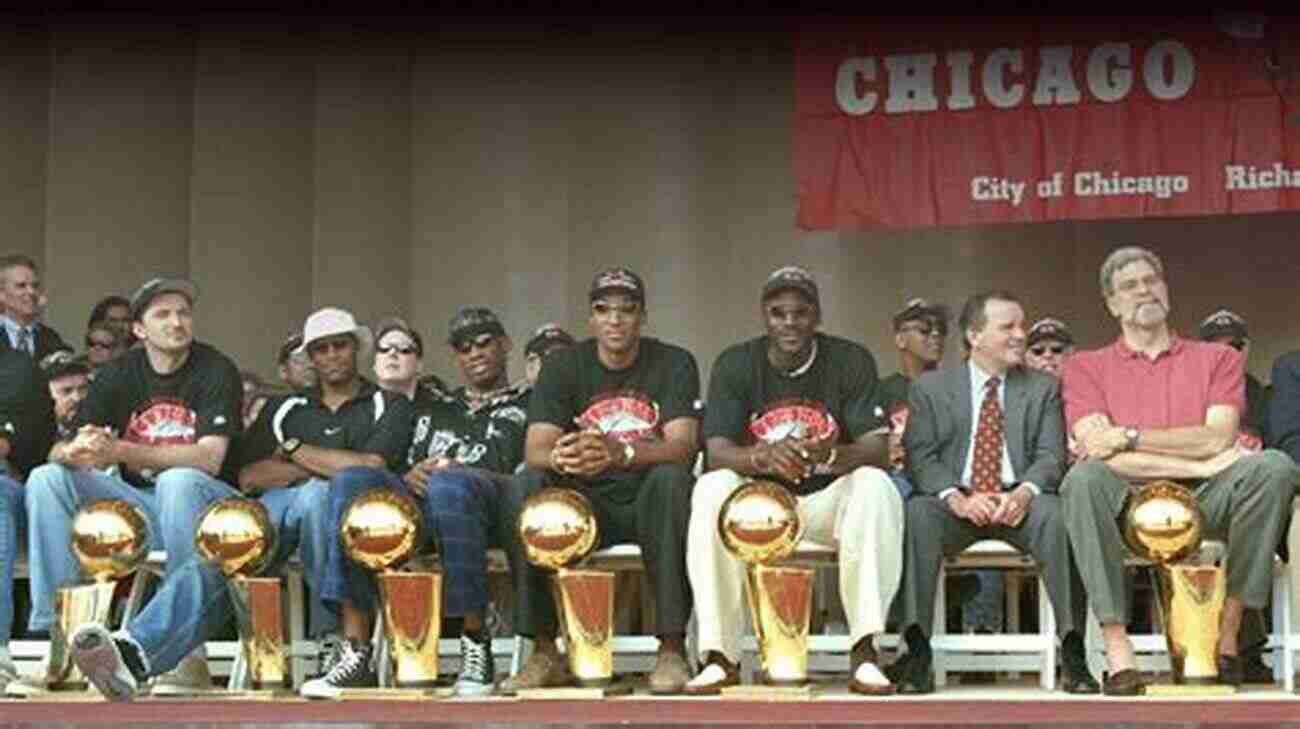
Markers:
{"x": 792, "y": 278}
{"x": 921, "y": 310}
{"x": 155, "y": 287}
{"x": 472, "y": 321}
{"x": 617, "y": 281}
{"x": 547, "y": 337}
{"x": 1224, "y": 323}
{"x": 62, "y": 363}
{"x": 1049, "y": 328}
{"x": 291, "y": 344}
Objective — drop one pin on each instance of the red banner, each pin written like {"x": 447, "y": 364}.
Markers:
{"x": 905, "y": 125}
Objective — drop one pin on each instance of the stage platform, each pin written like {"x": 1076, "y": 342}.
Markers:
{"x": 828, "y": 705}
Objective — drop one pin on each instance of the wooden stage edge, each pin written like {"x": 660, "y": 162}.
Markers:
{"x": 952, "y": 708}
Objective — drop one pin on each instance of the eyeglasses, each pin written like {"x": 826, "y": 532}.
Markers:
{"x": 465, "y": 346}
{"x": 393, "y": 348}
{"x": 99, "y": 344}
{"x": 1042, "y": 349}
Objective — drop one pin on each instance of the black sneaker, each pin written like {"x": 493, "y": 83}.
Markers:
{"x": 477, "y": 670}
{"x": 351, "y": 668}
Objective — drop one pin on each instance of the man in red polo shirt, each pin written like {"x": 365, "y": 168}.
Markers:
{"x": 1156, "y": 406}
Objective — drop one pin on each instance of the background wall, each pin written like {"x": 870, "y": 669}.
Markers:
{"x": 411, "y": 168}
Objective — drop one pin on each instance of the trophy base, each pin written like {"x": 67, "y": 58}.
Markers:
{"x": 765, "y": 692}
{"x": 616, "y": 686}
{"x": 396, "y": 694}
{"x": 1189, "y": 689}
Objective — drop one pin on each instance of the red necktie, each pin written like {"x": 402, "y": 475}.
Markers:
{"x": 986, "y": 468}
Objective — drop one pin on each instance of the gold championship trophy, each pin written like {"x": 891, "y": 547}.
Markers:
{"x": 110, "y": 538}
{"x": 236, "y": 535}
{"x": 759, "y": 524}
{"x": 558, "y": 529}
{"x": 1163, "y": 523}
{"x": 380, "y": 531}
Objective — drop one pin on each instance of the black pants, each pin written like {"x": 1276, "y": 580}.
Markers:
{"x": 652, "y": 512}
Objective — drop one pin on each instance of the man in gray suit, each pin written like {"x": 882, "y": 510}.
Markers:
{"x": 986, "y": 450}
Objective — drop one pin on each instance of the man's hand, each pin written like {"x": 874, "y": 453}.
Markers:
{"x": 1104, "y": 442}
{"x": 93, "y": 447}
{"x": 417, "y": 479}
{"x": 977, "y": 508}
{"x": 785, "y": 458}
{"x": 1014, "y": 507}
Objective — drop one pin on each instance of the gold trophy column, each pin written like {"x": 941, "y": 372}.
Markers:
{"x": 381, "y": 530}
{"x": 110, "y": 538}
{"x": 236, "y": 535}
{"x": 759, "y": 524}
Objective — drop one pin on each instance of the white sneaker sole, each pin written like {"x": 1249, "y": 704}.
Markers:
{"x": 96, "y": 655}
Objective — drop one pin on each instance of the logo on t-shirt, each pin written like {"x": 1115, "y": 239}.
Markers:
{"x": 628, "y": 415}
{"x": 162, "y": 421}
{"x": 513, "y": 413}
{"x": 794, "y": 418}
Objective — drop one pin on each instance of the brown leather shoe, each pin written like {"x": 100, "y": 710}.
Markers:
{"x": 1125, "y": 683}
{"x": 716, "y": 674}
{"x": 543, "y": 670}
{"x": 670, "y": 675}
{"x": 862, "y": 653}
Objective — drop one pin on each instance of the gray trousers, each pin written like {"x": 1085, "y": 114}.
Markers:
{"x": 1243, "y": 505}
{"x": 933, "y": 531}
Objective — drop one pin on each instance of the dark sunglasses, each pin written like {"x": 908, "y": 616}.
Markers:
{"x": 465, "y": 346}
{"x": 395, "y": 348}
{"x": 1042, "y": 349}
{"x": 99, "y": 344}
{"x": 926, "y": 330}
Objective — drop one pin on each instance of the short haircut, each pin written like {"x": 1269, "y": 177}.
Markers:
{"x": 100, "y": 312}
{"x": 1122, "y": 257}
{"x": 14, "y": 260}
{"x": 973, "y": 315}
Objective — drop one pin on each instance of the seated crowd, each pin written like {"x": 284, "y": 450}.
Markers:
{"x": 1026, "y": 441}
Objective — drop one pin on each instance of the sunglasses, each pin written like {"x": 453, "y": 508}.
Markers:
{"x": 465, "y": 346}
{"x": 99, "y": 344}
{"x": 926, "y": 330}
{"x": 1043, "y": 349}
{"x": 391, "y": 349}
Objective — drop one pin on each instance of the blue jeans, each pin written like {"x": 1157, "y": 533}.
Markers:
{"x": 901, "y": 483}
{"x": 12, "y": 523}
{"x": 55, "y": 492}
{"x": 194, "y": 602}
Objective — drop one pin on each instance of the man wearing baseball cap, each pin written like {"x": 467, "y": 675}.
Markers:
{"x": 548, "y": 338}
{"x": 617, "y": 416}
{"x": 920, "y": 329}
{"x": 1228, "y": 327}
{"x": 797, "y": 406}
{"x": 166, "y": 414}
{"x": 293, "y": 365}
{"x": 302, "y": 446}
{"x": 1047, "y": 344}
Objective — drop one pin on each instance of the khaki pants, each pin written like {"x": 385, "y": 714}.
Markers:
{"x": 860, "y": 514}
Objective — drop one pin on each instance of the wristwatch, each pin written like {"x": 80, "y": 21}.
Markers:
{"x": 629, "y": 454}
{"x": 1131, "y": 436}
{"x": 289, "y": 446}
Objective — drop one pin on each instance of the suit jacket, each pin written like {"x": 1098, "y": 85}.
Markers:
{"x": 939, "y": 430}
{"x": 47, "y": 341}
{"x": 1284, "y": 405}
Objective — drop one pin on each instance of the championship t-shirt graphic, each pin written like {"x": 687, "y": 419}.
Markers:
{"x": 794, "y": 418}
{"x": 627, "y": 415}
{"x": 162, "y": 421}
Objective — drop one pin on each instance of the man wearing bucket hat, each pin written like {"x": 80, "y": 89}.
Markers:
{"x": 165, "y": 414}
{"x": 302, "y": 446}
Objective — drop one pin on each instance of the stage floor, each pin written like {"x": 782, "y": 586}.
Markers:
{"x": 829, "y": 706}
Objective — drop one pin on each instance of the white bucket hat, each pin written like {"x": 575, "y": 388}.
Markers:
{"x": 329, "y": 322}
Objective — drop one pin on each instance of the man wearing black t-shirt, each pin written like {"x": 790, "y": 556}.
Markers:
{"x": 465, "y": 443}
{"x": 164, "y": 415}
{"x": 26, "y": 432}
{"x": 301, "y": 447}
{"x": 797, "y": 406}
{"x": 616, "y": 416}
{"x": 920, "y": 330}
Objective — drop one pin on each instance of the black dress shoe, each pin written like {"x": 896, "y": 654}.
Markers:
{"x": 1231, "y": 671}
{"x": 1075, "y": 676}
{"x": 1125, "y": 683}
{"x": 1254, "y": 670}
{"x": 911, "y": 674}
